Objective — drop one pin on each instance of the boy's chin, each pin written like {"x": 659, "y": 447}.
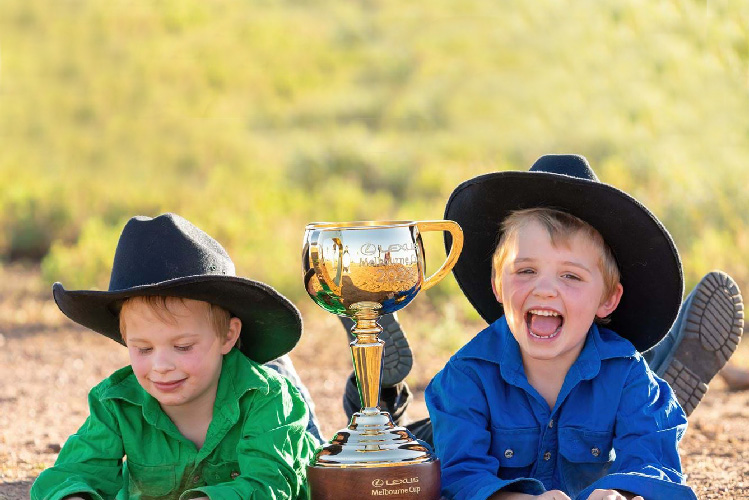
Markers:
{"x": 171, "y": 402}
{"x": 166, "y": 399}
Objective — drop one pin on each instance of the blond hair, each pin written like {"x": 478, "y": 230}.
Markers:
{"x": 160, "y": 305}
{"x": 561, "y": 227}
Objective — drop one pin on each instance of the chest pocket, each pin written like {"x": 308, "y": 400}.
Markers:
{"x": 516, "y": 450}
{"x": 151, "y": 481}
{"x": 586, "y": 457}
{"x": 221, "y": 472}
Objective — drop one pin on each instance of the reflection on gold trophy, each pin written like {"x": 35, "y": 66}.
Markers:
{"x": 364, "y": 270}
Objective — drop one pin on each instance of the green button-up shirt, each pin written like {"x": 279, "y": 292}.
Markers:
{"x": 256, "y": 447}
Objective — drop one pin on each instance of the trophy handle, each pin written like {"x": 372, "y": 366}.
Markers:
{"x": 318, "y": 263}
{"x": 457, "y": 233}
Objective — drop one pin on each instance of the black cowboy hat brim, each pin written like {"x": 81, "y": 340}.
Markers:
{"x": 271, "y": 325}
{"x": 650, "y": 268}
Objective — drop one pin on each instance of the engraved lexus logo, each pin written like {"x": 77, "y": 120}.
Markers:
{"x": 378, "y": 483}
{"x": 371, "y": 248}
{"x": 368, "y": 249}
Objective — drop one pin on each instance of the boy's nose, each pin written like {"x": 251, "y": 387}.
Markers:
{"x": 545, "y": 287}
{"x": 162, "y": 362}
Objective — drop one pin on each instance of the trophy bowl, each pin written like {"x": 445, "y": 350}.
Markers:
{"x": 364, "y": 270}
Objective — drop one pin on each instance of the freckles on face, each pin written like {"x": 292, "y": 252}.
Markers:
{"x": 174, "y": 361}
{"x": 180, "y": 357}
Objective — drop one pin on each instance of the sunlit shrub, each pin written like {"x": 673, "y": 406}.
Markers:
{"x": 87, "y": 263}
{"x": 31, "y": 222}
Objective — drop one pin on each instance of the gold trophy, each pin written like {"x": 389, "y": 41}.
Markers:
{"x": 364, "y": 270}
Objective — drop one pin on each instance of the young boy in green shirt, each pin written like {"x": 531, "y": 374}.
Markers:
{"x": 195, "y": 415}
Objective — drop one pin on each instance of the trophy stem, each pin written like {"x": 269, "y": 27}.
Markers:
{"x": 366, "y": 351}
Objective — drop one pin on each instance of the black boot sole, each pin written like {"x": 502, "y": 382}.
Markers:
{"x": 713, "y": 329}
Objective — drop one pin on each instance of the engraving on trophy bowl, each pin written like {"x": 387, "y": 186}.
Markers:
{"x": 375, "y": 264}
{"x": 364, "y": 270}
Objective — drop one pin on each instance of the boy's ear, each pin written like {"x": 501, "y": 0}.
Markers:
{"x": 235, "y": 326}
{"x": 497, "y": 295}
{"x": 609, "y": 304}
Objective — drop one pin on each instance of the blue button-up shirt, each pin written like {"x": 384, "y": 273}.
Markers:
{"x": 615, "y": 425}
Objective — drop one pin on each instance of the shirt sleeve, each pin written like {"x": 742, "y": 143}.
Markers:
{"x": 273, "y": 451}
{"x": 90, "y": 461}
{"x": 649, "y": 425}
{"x": 460, "y": 419}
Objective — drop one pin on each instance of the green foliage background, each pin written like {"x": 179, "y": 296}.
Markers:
{"x": 252, "y": 118}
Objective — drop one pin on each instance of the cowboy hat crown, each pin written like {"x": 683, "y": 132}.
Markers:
{"x": 165, "y": 248}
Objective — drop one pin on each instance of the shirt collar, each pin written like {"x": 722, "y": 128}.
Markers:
{"x": 238, "y": 375}
{"x": 496, "y": 344}
{"x": 125, "y": 386}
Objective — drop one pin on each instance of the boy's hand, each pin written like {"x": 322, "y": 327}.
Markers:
{"x": 548, "y": 495}
{"x": 613, "y": 495}
{"x": 553, "y": 495}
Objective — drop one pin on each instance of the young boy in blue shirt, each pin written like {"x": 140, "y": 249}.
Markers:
{"x": 547, "y": 402}
{"x": 195, "y": 415}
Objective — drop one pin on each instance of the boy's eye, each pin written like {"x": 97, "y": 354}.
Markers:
{"x": 144, "y": 350}
{"x": 571, "y": 276}
{"x": 525, "y": 271}
{"x": 183, "y": 348}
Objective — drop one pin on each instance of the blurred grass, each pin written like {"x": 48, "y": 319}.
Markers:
{"x": 254, "y": 118}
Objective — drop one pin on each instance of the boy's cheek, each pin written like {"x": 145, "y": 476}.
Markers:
{"x": 140, "y": 366}
{"x": 197, "y": 363}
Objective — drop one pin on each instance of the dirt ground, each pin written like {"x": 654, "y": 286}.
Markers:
{"x": 48, "y": 365}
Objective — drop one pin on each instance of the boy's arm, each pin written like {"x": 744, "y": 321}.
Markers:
{"x": 649, "y": 425}
{"x": 90, "y": 463}
{"x": 273, "y": 451}
{"x": 462, "y": 438}
{"x": 549, "y": 495}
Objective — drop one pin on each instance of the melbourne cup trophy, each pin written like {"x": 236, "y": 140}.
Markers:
{"x": 364, "y": 270}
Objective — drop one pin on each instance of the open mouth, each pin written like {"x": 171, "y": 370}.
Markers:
{"x": 543, "y": 323}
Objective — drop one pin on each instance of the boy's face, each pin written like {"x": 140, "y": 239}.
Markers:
{"x": 177, "y": 363}
{"x": 551, "y": 295}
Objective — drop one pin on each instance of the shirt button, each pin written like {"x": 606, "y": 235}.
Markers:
{"x": 551, "y": 423}
{"x": 595, "y": 452}
{"x": 547, "y": 456}
{"x": 234, "y": 474}
{"x": 195, "y": 478}
{"x": 509, "y": 453}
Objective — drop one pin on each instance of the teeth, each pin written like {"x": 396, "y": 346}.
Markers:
{"x": 549, "y": 337}
{"x": 543, "y": 312}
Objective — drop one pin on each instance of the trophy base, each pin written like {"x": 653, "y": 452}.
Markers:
{"x": 372, "y": 458}
{"x": 394, "y": 482}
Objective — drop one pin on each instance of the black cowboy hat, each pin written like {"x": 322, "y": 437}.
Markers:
{"x": 650, "y": 267}
{"x": 168, "y": 255}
